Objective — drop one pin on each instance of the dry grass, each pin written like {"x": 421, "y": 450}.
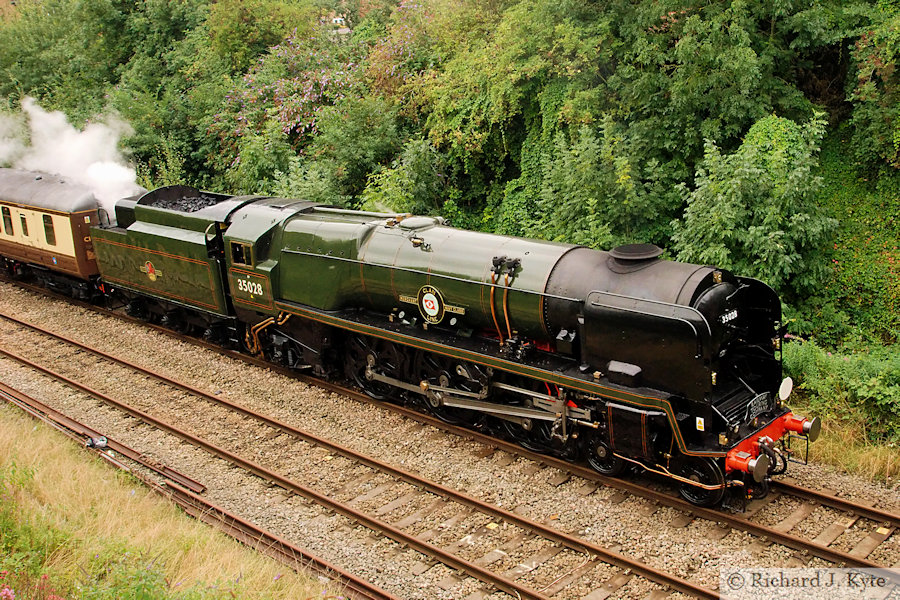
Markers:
{"x": 846, "y": 446}
{"x": 102, "y": 512}
{"x": 6, "y": 8}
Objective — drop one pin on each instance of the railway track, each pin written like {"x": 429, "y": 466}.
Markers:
{"x": 874, "y": 528}
{"x": 880, "y": 525}
{"x": 186, "y": 493}
{"x": 474, "y": 523}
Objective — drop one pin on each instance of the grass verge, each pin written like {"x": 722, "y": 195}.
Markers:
{"x": 71, "y": 526}
{"x": 844, "y": 445}
{"x": 857, "y": 396}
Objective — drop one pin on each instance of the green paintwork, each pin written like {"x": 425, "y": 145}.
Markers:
{"x": 320, "y": 257}
{"x": 163, "y": 253}
{"x": 354, "y": 257}
{"x": 171, "y": 218}
{"x": 258, "y": 226}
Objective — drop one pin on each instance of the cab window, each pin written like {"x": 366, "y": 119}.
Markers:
{"x": 240, "y": 254}
{"x": 7, "y": 221}
{"x": 49, "y": 233}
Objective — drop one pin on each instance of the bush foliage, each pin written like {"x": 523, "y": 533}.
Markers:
{"x": 862, "y": 388}
{"x": 755, "y": 211}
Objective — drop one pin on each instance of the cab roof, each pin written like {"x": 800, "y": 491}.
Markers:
{"x": 257, "y": 217}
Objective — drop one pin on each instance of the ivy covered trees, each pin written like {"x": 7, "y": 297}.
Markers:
{"x": 754, "y": 211}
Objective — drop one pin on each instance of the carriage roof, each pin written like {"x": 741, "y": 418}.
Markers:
{"x": 43, "y": 190}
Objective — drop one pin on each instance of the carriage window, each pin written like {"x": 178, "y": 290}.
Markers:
{"x": 24, "y": 225}
{"x": 240, "y": 254}
{"x": 7, "y": 221}
{"x": 48, "y": 230}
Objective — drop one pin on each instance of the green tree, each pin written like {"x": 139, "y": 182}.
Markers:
{"x": 167, "y": 89}
{"x": 415, "y": 182}
{"x": 290, "y": 85}
{"x": 357, "y": 137}
{"x": 64, "y": 53}
{"x": 589, "y": 196}
{"x": 876, "y": 92}
{"x": 309, "y": 181}
{"x": 754, "y": 211}
{"x": 261, "y": 158}
{"x": 241, "y": 30}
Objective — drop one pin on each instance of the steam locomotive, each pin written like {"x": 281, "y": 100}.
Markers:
{"x": 620, "y": 358}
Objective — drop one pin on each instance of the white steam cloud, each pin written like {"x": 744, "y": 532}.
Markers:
{"x": 44, "y": 141}
{"x": 12, "y": 131}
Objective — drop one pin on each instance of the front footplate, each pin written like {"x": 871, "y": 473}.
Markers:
{"x": 748, "y": 455}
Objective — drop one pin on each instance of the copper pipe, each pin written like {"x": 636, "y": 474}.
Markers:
{"x": 506, "y": 306}
{"x": 253, "y": 345}
{"x": 493, "y": 311}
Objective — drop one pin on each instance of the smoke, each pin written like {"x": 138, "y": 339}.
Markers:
{"x": 39, "y": 140}
{"x": 12, "y": 131}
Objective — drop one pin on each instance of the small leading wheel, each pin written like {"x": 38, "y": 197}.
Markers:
{"x": 704, "y": 471}
{"x": 602, "y": 459}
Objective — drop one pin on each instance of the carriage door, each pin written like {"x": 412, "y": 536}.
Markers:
{"x": 26, "y": 226}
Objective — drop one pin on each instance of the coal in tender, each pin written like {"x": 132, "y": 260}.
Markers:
{"x": 187, "y": 204}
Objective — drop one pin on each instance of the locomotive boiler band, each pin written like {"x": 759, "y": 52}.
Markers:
{"x": 620, "y": 357}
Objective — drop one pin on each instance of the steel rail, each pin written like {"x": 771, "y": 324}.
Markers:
{"x": 41, "y": 411}
{"x": 869, "y": 512}
{"x": 793, "y": 489}
{"x": 736, "y": 521}
{"x": 873, "y": 513}
{"x": 569, "y": 541}
{"x": 507, "y": 585}
{"x": 739, "y": 522}
{"x": 191, "y": 502}
{"x": 272, "y": 545}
